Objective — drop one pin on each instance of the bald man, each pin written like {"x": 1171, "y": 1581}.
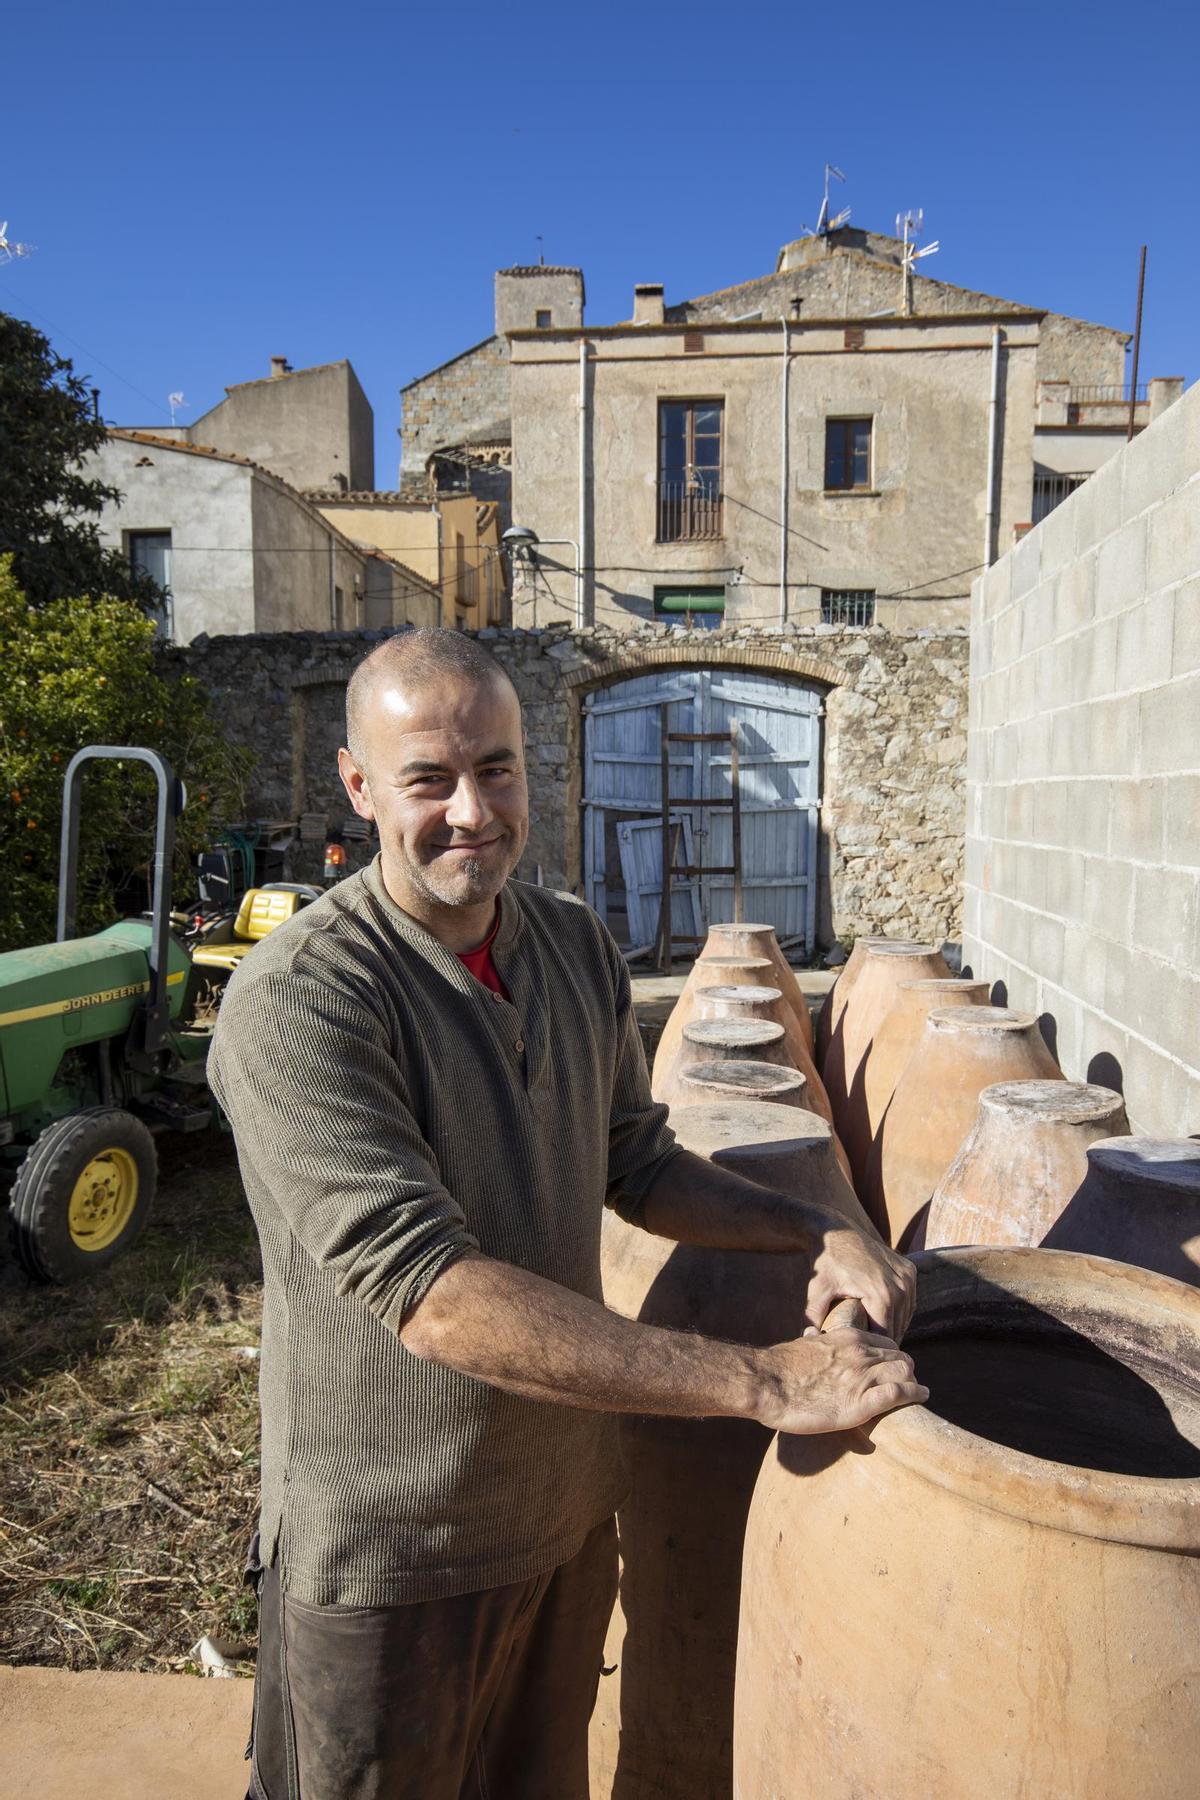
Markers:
{"x": 436, "y": 1084}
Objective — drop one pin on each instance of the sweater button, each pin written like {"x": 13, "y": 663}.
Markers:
{"x": 496, "y": 996}
{"x": 519, "y": 1045}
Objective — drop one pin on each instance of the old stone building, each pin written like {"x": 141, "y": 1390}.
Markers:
{"x": 312, "y": 427}
{"x": 238, "y": 550}
{"x": 452, "y": 540}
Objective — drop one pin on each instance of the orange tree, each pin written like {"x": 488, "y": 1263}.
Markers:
{"x": 84, "y": 672}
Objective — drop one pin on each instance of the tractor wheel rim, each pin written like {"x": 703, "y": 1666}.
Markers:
{"x": 103, "y": 1199}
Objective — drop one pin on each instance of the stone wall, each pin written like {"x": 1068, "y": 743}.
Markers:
{"x": 1083, "y": 848}
{"x": 892, "y": 782}
{"x": 465, "y": 401}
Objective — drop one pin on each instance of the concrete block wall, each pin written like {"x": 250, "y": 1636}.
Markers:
{"x": 1082, "y": 893}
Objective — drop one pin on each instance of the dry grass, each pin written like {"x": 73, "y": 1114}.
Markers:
{"x": 129, "y": 1436}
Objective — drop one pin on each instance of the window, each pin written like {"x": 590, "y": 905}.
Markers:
{"x": 695, "y": 606}
{"x": 689, "y": 469}
{"x": 1051, "y": 489}
{"x": 847, "y": 454}
{"x": 149, "y": 552}
{"x": 339, "y": 609}
{"x": 847, "y": 606}
{"x": 544, "y": 320}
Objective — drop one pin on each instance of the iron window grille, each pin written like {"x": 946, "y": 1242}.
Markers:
{"x": 847, "y": 454}
{"x": 689, "y": 470}
{"x": 1051, "y": 489}
{"x": 848, "y": 606}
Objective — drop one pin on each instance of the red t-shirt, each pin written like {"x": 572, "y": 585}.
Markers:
{"x": 480, "y": 963}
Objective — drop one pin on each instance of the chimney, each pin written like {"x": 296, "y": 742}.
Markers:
{"x": 280, "y": 366}
{"x": 648, "y": 303}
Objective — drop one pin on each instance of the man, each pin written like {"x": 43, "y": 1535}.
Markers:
{"x": 436, "y": 1082}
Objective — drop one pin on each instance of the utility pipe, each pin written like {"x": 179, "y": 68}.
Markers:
{"x": 584, "y": 421}
{"x": 784, "y": 475}
{"x": 333, "y": 618}
{"x": 989, "y": 527}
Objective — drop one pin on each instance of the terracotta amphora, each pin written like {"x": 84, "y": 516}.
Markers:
{"x": 721, "y": 1040}
{"x": 994, "y": 1594}
{"x": 745, "y": 1001}
{"x": 884, "y": 967}
{"x": 735, "y": 971}
{"x": 760, "y": 940}
{"x": 663, "y": 1720}
{"x": 901, "y": 1030}
{"x": 702, "y": 1083}
{"x": 1022, "y": 1160}
{"x": 962, "y": 1050}
{"x": 843, "y": 987}
{"x": 1139, "y": 1202}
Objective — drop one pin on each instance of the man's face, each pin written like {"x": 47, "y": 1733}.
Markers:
{"x": 445, "y": 784}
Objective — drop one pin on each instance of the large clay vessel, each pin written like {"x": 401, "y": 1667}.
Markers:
{"x": 901, "y": 1030}
{"x": 996, "y": 1594}
{"x": 732, "y": 1001}
{"x": 839, "y": 994}
{"x": 1139, "y": 1202}
{"x": 721, "y": 1040}
{"x": 704, "y": 1083}
{"x": 709, "y": 971}
{"x": 663, "y": 1721}
{"x": 884, "y": 968}
{"x": 962, "y": 1050}
{"x": 760, "y": 940}
{"x": 1021, "y": 1162}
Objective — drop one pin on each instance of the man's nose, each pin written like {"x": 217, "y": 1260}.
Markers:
{"x": 468, "y": 810}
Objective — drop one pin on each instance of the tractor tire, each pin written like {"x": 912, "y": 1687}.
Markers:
{"x": 82, "y": 1195}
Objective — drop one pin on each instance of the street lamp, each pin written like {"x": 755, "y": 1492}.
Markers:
{"x": 521, "y": 541}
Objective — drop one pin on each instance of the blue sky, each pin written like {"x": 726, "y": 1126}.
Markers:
{"x": 208, "y": 186}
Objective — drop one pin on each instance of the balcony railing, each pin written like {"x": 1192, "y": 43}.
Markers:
{"x": 687, "y": 513}
{"x": 1117, "y": 395}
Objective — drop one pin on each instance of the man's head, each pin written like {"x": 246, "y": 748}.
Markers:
{"x": 436, "y": 757}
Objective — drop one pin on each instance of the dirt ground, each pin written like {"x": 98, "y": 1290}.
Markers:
{"x": 129, "y": 1436}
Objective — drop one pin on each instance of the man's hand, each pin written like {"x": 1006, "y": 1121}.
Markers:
{"x": 834, "y": 1381}
{"x": 851, "y": 1266}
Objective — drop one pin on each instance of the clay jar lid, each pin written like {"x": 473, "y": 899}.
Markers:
{"x": 742, "y": 1037}
{"x": 1168, "y": 1165}
{"x": 1055, "y": 1103}
{"x": 718, "y": 1131}
{"x": 744, "y": 1080}
{"x": 741, "y": 995}
{"x": 715, "y": 964}
{"x": 1130, "y": 1314}
{"x": 980, "y": 1018}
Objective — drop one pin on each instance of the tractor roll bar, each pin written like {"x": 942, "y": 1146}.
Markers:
{"x": 157, "y": 1013}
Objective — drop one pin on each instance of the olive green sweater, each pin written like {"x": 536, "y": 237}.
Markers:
{"x": 391, "y": 1113}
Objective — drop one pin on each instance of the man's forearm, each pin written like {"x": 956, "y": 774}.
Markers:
{"x": 531, "y": 1337}
{"x": 695, "y": 1202}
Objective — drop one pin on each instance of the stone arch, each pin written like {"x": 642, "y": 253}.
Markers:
{"x": 783, "y": 659}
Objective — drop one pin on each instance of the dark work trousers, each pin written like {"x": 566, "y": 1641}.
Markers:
{"x": 485, "y": 1696}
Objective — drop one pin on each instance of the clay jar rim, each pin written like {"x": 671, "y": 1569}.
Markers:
{"x": 979, "y": 1018}
{"x": 1128, "y": 1158}
{"x": 1152, "y": 1512}
{"x": 762, "y": 1131}
{"x": 901, "y": 947}
{"x": 1052, "y": 1102}
{"x": 744, "y": 1031}
{"x": 740, "y": 994}
{"x": 772, "y": 1075}
{"x": 956, "y": 983}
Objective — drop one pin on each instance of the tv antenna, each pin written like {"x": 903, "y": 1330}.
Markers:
{"x": 824, "y": 223}
{"x": 174, "y": 400}
{"x": 541, "y": 244}
{"x": 8, "y": 250}
{"x": 909, "y": 226}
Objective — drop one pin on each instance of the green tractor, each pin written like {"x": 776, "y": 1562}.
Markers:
{"x": 98, "y": 1050}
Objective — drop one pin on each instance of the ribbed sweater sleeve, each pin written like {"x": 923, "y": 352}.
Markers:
{"x": 320, "y": 1110}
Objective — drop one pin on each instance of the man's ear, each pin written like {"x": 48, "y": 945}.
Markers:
{"x": 356, "y": 785}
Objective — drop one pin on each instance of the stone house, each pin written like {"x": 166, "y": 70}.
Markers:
{"x": 811, "y": 444}
{"x": 239, "y": 550}
{"x": 452, "y": 540}
{"x": 313, "y": 427}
